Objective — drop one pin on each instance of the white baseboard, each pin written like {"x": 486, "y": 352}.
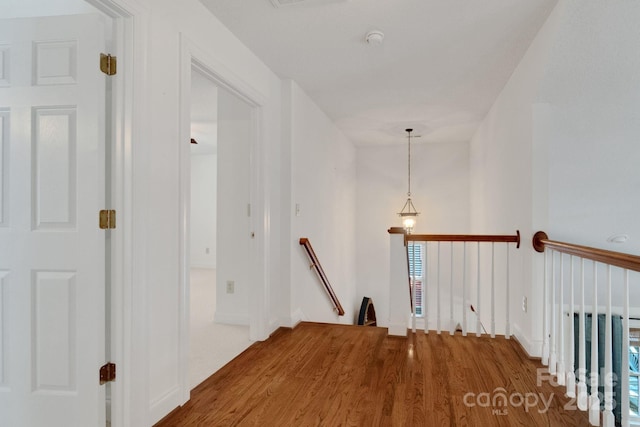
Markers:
{"x": 273, "y": 325}
{"x": 397, "y": 329}
{"x": 296, "y": 317}
{"x": 533, "y": 348}
{"x": 231, "y": 319}
{"x": 164, "y": 404}
{"x": 205, "y": 266}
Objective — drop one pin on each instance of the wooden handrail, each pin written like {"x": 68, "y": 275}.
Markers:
{"x": 464, "y": 238}
{"x": 619, "y": 259}
{"x": 315, "y": 263}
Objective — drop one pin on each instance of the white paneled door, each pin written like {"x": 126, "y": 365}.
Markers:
{"x": 52, "y": 252}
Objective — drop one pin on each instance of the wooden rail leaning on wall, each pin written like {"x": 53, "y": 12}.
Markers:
{"x": 315, "y": 263}
{"x": 630, "y": 262}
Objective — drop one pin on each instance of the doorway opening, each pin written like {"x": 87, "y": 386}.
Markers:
{"x": 219, "y": 282}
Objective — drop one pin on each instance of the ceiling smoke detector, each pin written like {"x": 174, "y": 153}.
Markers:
{"x": 618, "y": 238}
{"x": 374, "y": 37}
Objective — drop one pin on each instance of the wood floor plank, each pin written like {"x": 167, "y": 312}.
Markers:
{"x": 338, "y": 375}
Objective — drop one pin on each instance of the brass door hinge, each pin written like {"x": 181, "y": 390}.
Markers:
{"x": 107, "y": 373}
{"x": 108, "y": 64}
{"x": 107, "y": 219}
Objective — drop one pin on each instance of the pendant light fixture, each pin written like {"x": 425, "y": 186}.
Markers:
{"x": 409, "y": 212}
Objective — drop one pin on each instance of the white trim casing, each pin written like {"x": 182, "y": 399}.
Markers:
{"x": 191, "y": 55}
{"x": 185, "y": 204}
{"x": 129, "y": 328}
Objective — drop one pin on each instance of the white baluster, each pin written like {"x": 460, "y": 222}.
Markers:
{"x": 478, "y": 324}
{"x": 625, "y": 352}
{"x": 561, "y": 374}
{"x": 507, "y": 333}
{"x": 545, "y": 321}
{"x": 553, "y": 361}
{"x": 608, "y": 420}
{"x": 425, "y": 287}
{"x": 594, "y": 400}
{"x": 452, "y": 325}
{"x": 493, "y": 291}
{"x": 464, "y": 289}
{"x": 438, "y": 295}
{"x": 583, "y": 397}
{"x": 571, "y": 375}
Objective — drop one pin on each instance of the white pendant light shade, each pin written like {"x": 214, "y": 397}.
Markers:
{"x": 409, "y": 221}
{"x": 409, "y": 216}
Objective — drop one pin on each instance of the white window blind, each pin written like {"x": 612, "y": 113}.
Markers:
{"x": 634, "y": 373}
{"x": 416, "y": 272}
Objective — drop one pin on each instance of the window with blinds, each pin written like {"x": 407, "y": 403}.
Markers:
{"x": 634, "y": 372}
{"x": 416, "y": 273}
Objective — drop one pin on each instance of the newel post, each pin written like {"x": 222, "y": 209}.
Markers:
{"x": 399, "y": 309}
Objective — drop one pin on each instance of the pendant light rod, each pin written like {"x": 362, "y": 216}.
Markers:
{"x": 408, "y": 212}
{"x": 409, "y": 161}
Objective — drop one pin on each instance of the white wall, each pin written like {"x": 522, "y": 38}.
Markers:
{"x": 204, "y": 181}
{"x": 591, "y": 126}
{"x": 233, "y": 225}
{"x": 157, "y": 192}
{"x": 505, "y": 196}
{"x": 204, "y": 171}
{"x": 440, "y": 192}
{"x": 557, "y": 151}
{"x": 323, "y": 185}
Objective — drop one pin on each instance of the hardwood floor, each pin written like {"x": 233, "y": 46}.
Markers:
{"x": 332, "y": 375}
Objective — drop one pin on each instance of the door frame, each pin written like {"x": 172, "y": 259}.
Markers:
{"x": 129, "y": 395}
{"x": 194, "y": 56}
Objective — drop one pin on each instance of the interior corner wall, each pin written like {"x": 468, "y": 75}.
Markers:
{"x": 323, "y": 187}
{"x": 590, "y": 125}
{"x": 203, "y": 210}
{"x": 508, "y": 179}
{"x": 234, "y": 222}
{"x": 558, "y": 150}
{"x": 167, "y": 20}
{"x": 286, "y": 316}
{"x": 440, "y": 192}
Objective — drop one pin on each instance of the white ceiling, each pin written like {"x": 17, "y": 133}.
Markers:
{"x": 29, "y": 8}
{"x": 439, "y": 69}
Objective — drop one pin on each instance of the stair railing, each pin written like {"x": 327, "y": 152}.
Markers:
{"x": 442, "y": 241}
{"x": 470, "y": 269}
{"x": 564, "y": 271}
{"x": 315, "y": 264}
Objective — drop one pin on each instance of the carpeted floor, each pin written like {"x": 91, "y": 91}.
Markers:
{"x": 212, "y": 345}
